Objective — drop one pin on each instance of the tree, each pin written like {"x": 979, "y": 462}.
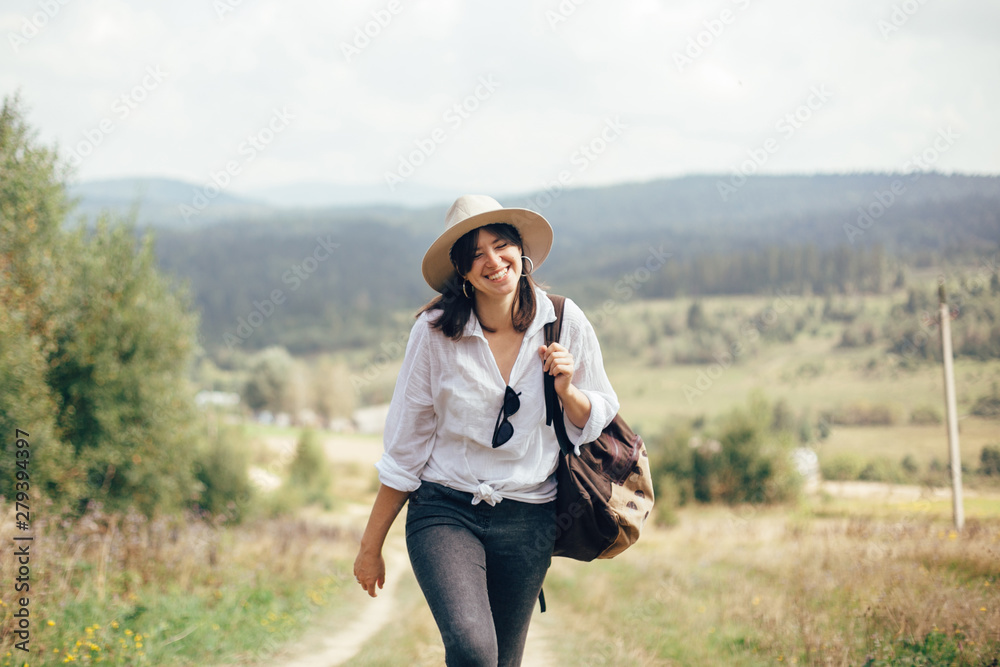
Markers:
{"x": 119, "y": 373}
{"x": 32, "y": 206}
{"x": 269, "y": 384}
{"x": 334, "y": 392}
{"x": 696, "y": 319}
{"x": 94, "y": 346}
{"x": 309, "y": 476}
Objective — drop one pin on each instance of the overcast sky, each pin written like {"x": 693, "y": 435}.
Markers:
{"x": 597, "y": 92}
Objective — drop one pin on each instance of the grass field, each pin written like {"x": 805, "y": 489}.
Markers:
{"x": 810, "y": 373}
{"x": 827, "y": 582}
{"x": 121, "y": 590}
{"x": 870, "y": 578}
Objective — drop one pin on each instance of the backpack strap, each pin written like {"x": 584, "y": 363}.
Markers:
{"x": 553, "y": 410}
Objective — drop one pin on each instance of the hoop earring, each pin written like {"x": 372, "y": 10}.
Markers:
{"x": 464, "y": 283}
{"x": 531, "y": 265}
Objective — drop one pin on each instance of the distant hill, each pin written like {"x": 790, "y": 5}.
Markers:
{"x": 159, "y": 201}
{"x": 825, "y": 234}
{"x": 331, "y": 195}
{"x": 764, "y": 209}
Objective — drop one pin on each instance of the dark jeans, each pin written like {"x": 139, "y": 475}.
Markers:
{"x": 481, "y": 568}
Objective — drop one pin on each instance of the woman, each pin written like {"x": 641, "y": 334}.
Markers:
{"x": 466, "y": 440}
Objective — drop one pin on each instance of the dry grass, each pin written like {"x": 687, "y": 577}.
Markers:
{"x": 184, "y": 587}
{"x": 743, "y": 587}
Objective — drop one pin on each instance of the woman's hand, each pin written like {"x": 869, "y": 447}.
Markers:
{"x": 557, "y": 361}
{"x": 369, "y": 566}
{"x": 369, "y": 570}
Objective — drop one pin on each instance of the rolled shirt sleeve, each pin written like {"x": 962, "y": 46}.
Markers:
{"x": 588, "y": 375}
{"x": 411, "y": 422}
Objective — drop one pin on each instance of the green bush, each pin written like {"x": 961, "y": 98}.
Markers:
{"x": 672, "y": 467}
{"x": 221, "y": 467}
{"x": 841, "y": 468}
{"x": 858, "y": 334}
{"x": 94, "y": 347}
{"x": 118, "y": 370}
{"x": 989, "y": 461}
{"x": 669, "y": 491}
{"x": 743, "y": 459}
{"x": 309, "y": 476}
{"x": 988, "y": 405}
{"x": 863, "y": 414}
{"x": 882, "y": 469}
{"x": 925, "y": 415}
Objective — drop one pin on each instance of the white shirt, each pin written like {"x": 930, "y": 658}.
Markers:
{"x": 447, "y": 398}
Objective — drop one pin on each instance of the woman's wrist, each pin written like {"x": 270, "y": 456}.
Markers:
{"x": 576, "y": 405}
{"x": 371, "y": 547}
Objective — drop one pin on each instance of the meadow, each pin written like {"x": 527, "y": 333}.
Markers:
{"x": 796, "y": 358}
{"x": 827, "y": 581}
{"x": 835, "y": 578}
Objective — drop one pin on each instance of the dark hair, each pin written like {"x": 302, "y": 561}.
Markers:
{"x": 456, "y": 308}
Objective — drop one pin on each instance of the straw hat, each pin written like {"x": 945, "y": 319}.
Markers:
{"x": 472, "y": 211}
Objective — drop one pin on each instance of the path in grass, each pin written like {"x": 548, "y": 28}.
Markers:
{"x": 328, "y": 648}
{"x": 536, "y": 651}
{"x": 336, "y": 648}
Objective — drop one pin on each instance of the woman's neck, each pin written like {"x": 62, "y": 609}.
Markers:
{"x": 496, "y": 314}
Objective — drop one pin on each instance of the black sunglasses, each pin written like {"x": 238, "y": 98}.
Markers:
{"x": 504, "y": 429}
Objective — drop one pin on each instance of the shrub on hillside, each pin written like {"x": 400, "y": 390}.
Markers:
{"x": 309, "y": 475}
{"x": 925, "y": 415}
{"x": 99, "y": 340}
{"x": 862, "y": 414}
{"x": 221, "y": 467}
{"x": 988, "y": 405}
{"x": 858, "y": 334}
{"x": 989, "y": 461}
{"x": 743, "y": 459}
{"x": 841, "y": 468}
{"x": 883, "y": 469}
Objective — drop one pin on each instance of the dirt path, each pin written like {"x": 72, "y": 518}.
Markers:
{"x": 536, "y": 651}
{"x": 317, "y": 650}
{"x": 328, "y": 647}
{"x": 890, "y": 492}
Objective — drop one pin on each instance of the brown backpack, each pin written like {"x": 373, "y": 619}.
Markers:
{"x": 605, "y": 494}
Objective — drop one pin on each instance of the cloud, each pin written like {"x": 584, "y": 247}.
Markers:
{"x": 558, "y": 83}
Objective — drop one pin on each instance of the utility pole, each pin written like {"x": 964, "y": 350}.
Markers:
{"x": 954, "y": 457}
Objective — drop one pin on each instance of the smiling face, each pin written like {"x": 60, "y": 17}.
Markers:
{"x": 490, "y": 259}
{"x": 496, "y": 266}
